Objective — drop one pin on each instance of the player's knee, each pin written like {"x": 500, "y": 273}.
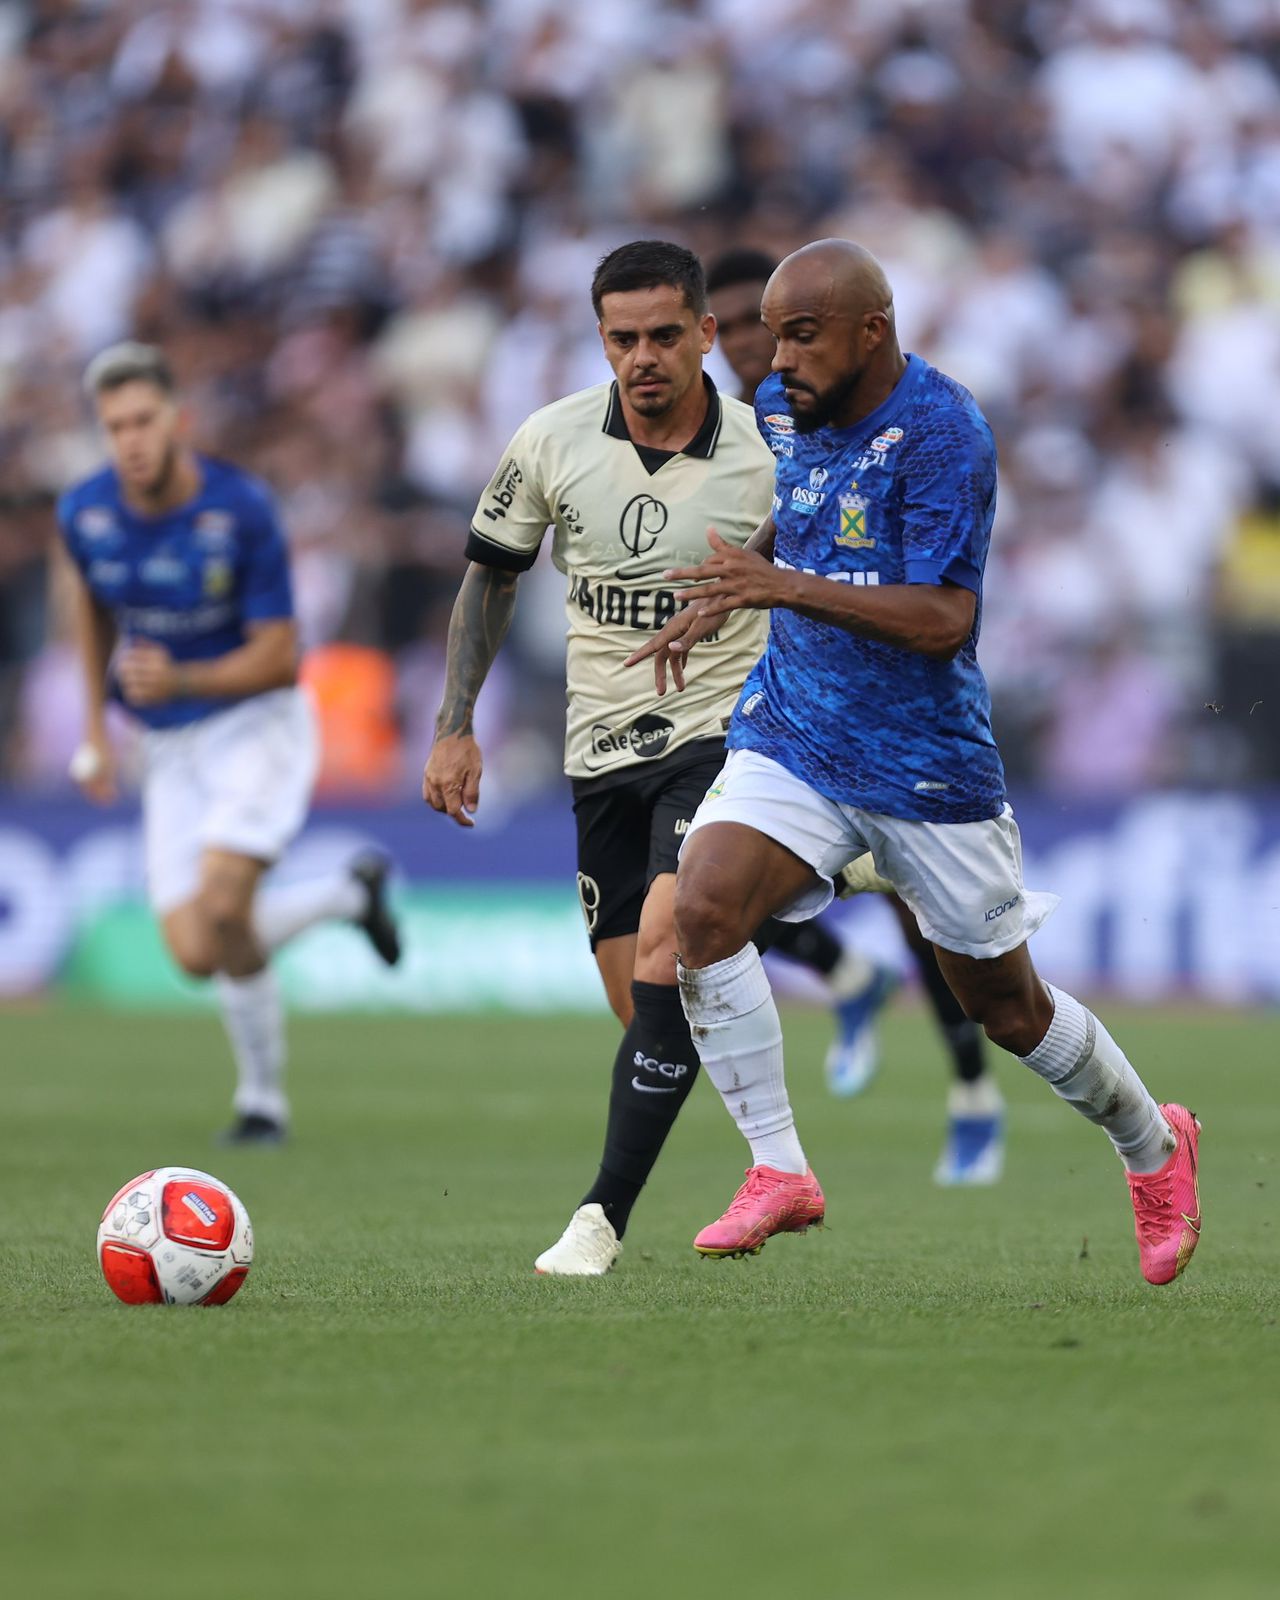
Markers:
{"x": 226, "y": 920}
{"x": 707, "y": 928}
{"x": 195, "y": 955}
{"x": 1010, "y": 1021}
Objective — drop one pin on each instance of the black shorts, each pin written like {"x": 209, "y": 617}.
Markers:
{"x": 630, "y": 829}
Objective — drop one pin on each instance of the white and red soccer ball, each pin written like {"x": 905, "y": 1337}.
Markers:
{"x": 175, "y": 1236}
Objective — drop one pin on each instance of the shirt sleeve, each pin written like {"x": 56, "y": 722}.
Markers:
{"x": 949, "y": 488}
{"x": 266, "y": 593}
{"x": 513, "y": 513}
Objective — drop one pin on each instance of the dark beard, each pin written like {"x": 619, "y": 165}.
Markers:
{"x": 826, "y": 404}
{"x": 160, "y": 484}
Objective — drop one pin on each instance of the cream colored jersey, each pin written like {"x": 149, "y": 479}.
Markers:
{"x": 621, "y": 515}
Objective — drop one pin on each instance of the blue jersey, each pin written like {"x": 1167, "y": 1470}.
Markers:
{"x": 907, "y": 495}
{"x": 190, "y": 579}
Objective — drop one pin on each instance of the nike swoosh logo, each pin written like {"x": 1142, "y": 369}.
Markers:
{"x": 1192, "y": 1222}
{"x": 651, "y": 1088}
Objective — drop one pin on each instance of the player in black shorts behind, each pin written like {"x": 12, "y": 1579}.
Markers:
{"x": 628, "y": 476}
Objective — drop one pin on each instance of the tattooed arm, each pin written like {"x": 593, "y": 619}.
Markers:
{"x": 481, "y": 616}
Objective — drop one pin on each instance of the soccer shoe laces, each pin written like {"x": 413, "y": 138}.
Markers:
{"x": 1153, "y": 1203}
{"x": 757, "y": 1182}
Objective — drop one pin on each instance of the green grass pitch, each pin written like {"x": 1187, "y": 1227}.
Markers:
{"x": 941, "y": 1394}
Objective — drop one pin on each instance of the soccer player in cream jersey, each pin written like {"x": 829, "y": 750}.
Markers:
{"x": 866, "y": 726}
{"x": 184, "y": 615}
{"x": 628, "y": 476}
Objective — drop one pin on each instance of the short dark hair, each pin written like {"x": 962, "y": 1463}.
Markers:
{"x": 742, "y": 264}
{"x": 128, "y": 362}
{"x": 650, "y": 264}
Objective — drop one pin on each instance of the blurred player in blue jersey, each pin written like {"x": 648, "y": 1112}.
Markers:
{"x": 866, "y": 726}
{"x": 974, "y": 1149}
{"x": 184, "y": 615}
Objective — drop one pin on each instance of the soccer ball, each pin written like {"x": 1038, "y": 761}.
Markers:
{"x": 175, "y": 1236}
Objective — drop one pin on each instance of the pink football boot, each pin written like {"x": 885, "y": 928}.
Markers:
{"x": 768, "y": 1202}
{"x": 1166, "y": 1204}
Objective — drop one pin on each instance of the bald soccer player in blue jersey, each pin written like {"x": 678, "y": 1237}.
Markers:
{"x": 866, "y": 726}
{"x": 973, "y": 1151}
{"x": 184, "y": 616}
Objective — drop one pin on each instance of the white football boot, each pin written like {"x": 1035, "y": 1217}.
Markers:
{"x": 587, "y": 1248}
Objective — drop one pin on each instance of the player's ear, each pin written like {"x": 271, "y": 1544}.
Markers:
{"x": 184, "y": 421}
{"x": 707, "y": 328}
{"x": 875, "y": 328}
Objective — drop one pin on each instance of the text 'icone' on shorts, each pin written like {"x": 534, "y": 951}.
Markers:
{"x": 961, "y": 880}
{"x": 630, "y": 829}
{"x": 238, "y": 781}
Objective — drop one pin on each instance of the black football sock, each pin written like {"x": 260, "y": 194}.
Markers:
{"x": 652, "y": 1075}
{"x": 964, "y": 1038}
{"x": 807, "y": 943}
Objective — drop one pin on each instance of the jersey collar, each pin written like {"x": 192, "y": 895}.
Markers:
{"x": 702, "y": 445}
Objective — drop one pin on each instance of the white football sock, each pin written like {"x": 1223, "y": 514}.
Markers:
{"x": 253, "y": 1014}
{"x": 979, "y": 1097}
{"x": 738, "y": 1036}
{"x": 850, "y": 976}
{"x": 282, "y": 911}
{"x": 1084, "y": 1065}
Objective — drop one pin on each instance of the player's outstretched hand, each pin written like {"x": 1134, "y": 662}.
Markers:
{"x": 93, "y": 768}
{"x": 730, "y": 579}
{"x": 671, "y": 645}
{"x": 147, "y": 674}
{"x": 451, "y": 778}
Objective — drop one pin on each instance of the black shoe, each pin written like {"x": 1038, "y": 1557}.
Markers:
{"x": 250, "y": 1128}
{"x": 372, "y": 869}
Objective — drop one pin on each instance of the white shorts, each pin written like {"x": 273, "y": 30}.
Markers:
{"x": 239, "y": 781}
{"x": 962, "y": 880}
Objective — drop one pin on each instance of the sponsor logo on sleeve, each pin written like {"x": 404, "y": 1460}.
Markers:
{"x": 503, "y": 495}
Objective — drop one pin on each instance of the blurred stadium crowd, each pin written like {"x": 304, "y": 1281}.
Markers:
{"x": 364, "y": 230}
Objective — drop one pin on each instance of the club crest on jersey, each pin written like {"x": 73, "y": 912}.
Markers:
{"x": 217, "y": 579}
{"x": 853, "y": 533}
{"x": 213, "y": 529}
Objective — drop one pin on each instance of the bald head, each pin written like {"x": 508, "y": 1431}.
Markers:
{"x": 830, "y": 307}
{"x": 833, "y": 276}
